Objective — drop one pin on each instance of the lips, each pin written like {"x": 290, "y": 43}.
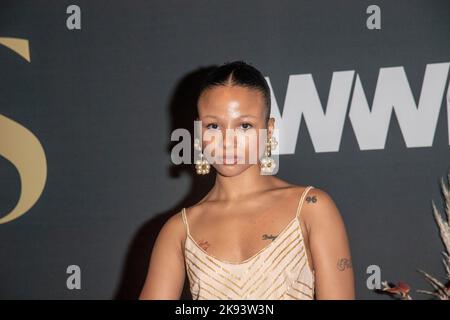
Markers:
{"x": 231, "y": 160}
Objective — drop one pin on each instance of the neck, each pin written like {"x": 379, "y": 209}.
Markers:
{"x": 240, "y": 186}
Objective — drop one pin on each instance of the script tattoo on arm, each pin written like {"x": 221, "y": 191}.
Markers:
{"x": 344, "y": 263}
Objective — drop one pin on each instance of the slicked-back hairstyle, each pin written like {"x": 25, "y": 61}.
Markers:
{"x": 238, "y": 73}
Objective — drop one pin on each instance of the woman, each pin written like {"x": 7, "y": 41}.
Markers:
{"x": 253, "y": 236}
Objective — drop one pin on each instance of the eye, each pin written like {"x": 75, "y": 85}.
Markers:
{"x": 246, "y": 126}
{"x": 212, "y": 124}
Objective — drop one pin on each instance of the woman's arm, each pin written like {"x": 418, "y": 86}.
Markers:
{"x": 166, "y": 272}
{"x": 329, "y": 249}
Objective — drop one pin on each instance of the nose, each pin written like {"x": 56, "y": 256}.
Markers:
{"x": 229, "y": 142}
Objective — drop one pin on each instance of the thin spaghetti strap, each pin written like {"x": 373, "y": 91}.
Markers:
{"x": 183, "y": 215}
{"x": 302, "y": 199}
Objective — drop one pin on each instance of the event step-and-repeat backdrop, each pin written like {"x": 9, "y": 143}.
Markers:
{"x": 91, "y": 91}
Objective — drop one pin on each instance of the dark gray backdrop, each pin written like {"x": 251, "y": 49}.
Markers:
{"x": 103, "y": 101}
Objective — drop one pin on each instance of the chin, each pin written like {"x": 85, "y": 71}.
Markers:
{"x": 231, "y": 170}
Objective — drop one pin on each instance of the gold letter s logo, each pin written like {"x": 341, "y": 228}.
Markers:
{"x": 22, "y": 148}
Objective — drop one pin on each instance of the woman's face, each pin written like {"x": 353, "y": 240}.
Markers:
{"x": 240, "y": 113}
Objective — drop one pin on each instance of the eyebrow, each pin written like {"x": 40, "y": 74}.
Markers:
{"x": 243, "y": 116}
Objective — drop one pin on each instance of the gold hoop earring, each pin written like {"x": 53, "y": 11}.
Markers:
{"x": 201, "y": 165}
{"x": 268, "y": 164}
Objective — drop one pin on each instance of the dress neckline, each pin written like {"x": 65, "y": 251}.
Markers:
{"x": 252, "y": 257}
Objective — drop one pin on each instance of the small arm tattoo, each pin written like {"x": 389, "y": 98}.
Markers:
{"x": 204, "y": 244}
{"x": 310, "y": 199}
{"x": 267, "y": 237}
{"x": 344, "y": 263}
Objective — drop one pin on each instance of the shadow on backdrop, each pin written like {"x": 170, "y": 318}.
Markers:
{"x": 182, "y": 112}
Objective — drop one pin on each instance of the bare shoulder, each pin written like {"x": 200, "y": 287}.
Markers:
{"x": 318, "y": 204}
{"x": 295, "y": 191}
{"x": 320, "y": 208}
{"x": 319, "y": 198}
{"x": 194, "y": 213}
{"x": 173, "y": 229}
